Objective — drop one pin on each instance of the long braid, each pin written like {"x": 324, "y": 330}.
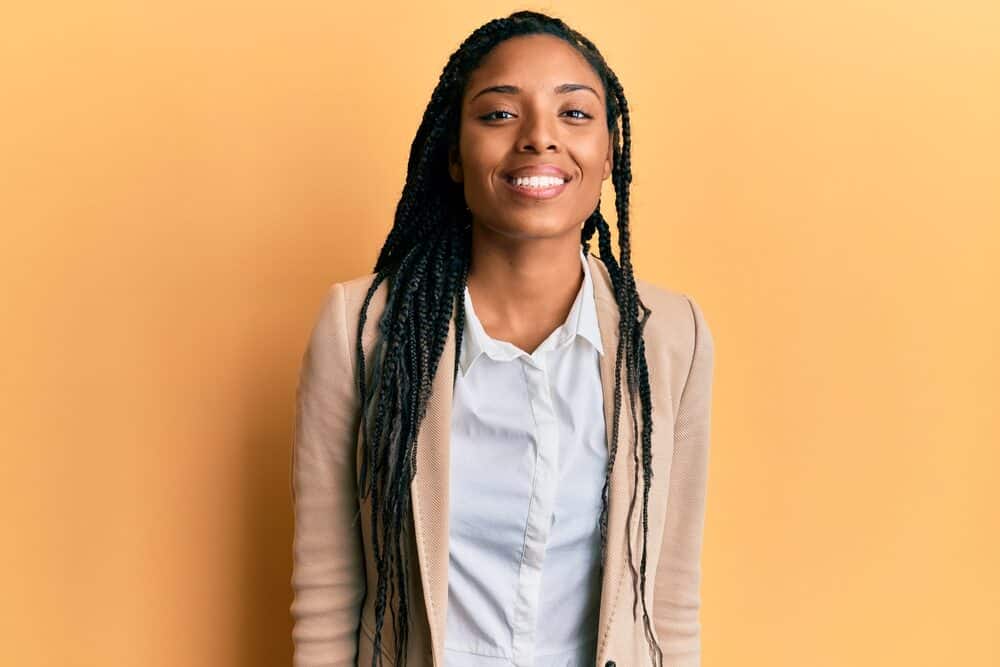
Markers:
{"x": 425, "y": 263}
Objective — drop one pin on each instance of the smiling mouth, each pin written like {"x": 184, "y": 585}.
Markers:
{"x": 537, "y": 187}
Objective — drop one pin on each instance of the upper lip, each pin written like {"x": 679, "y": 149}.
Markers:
{"x": 537, "y": 170}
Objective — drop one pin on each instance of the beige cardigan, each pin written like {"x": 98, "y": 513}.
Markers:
{"x": 332, "y": 560}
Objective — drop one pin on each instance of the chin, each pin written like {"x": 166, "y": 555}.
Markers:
{"x": 535, "y": 227}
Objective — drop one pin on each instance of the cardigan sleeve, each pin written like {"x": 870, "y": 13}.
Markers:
{"x": 677, "y": 598}
{"x": 328, "y": 579}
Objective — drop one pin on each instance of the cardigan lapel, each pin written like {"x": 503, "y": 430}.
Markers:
{"x": 619, "y": 487}
{"x": 430, "y": 486}
{"x": 429, "y": 496}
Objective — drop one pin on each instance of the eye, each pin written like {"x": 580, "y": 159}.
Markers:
{"x": 492, "y": 115}
{"x": 582, "y": 115}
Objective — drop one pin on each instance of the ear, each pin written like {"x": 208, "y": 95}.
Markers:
{"x": 609, "y": 159}
{"x": 455, "y": 163}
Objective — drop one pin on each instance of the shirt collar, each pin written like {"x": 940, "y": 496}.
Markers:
{"x": 581, "y": 321}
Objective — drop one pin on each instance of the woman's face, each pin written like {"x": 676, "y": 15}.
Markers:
{"x": 534, "y": 107}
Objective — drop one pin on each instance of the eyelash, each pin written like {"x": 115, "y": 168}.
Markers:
{"x": 487, "y": 117}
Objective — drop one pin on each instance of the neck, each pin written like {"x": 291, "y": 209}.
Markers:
{"x": 523, "y": 289}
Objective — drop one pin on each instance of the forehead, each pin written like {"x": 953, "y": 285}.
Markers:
{"x": 534, "y": 63}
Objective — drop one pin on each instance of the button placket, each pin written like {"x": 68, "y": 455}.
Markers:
{"x": 540, "y": 512}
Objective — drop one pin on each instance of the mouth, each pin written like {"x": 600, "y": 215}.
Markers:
{"x": 537, "y": 187}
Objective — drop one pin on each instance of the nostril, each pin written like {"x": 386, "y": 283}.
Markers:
{"x": 610, "y": 663}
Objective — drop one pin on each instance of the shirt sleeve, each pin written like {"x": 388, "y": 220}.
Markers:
{"x": 677, "y": 598}
{"x": 328, "y": 579}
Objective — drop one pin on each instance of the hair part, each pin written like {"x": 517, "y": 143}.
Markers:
{"x": 425, "y": 260}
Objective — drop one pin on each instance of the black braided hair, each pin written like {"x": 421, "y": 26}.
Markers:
{"x": 425, "y": 259}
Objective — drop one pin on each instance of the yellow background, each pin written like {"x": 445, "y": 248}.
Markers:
{"x": 180, "y": 182}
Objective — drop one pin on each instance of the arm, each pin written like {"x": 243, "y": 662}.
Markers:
{"x": 677, "y": 598}
{"x": 328, "y": 578}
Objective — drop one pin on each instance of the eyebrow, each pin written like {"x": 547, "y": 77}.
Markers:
{"x": 508, "y": 89}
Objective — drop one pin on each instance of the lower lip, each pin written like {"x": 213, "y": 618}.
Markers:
{"x": 537, "y": 193}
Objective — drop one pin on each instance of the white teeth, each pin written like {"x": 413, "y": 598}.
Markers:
{"x": 538, "y": 181}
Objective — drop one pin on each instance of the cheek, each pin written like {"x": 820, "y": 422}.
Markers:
{"x": 481, "y": 152}
{"x": 592, "y": 156}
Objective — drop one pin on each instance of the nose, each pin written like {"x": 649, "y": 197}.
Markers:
{"x": 538, "y": 133}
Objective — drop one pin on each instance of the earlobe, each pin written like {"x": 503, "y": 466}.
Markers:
{"x": 608, "y": 160}
{"x": 454, "y": 164}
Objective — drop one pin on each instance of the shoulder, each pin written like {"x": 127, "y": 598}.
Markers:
{"x": 335, "y": 329}
{"x": 343, "y": 299}
{"x": 355, "y": 291}
{"x": 676, "y": 314}
{"x": 676, "y": 328}
{"x": 677, "y": 336}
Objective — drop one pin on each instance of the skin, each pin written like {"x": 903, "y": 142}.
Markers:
{"x": 529, "y": 247}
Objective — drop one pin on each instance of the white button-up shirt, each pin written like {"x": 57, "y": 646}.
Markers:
{"x": 528, "y": 460}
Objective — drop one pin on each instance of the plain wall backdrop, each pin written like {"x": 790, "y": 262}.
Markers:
{"x": 181, "y": 182}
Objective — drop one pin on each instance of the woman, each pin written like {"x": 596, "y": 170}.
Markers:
{"x": 460, "y": 409}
